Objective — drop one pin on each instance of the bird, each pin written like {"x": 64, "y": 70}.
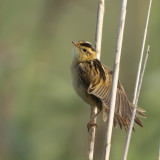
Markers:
{"x": 92, "y": 81}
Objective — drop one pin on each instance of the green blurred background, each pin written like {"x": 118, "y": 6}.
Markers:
{"x": 41, "y": 117}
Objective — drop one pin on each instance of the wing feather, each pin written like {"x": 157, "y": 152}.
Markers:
{"x": 98, "y": 79}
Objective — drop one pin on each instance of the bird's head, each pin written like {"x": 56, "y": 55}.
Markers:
{"x": 84, "y": 51}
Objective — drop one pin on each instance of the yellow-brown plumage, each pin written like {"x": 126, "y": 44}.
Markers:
{"x": 92, "y": 82}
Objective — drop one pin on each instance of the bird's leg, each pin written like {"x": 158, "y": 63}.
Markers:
{"x": 91, "y": 122}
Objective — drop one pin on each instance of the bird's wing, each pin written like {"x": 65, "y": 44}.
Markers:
{"x": 93, "y": 76}
{"x": 90, "y": 72}
{"x": 98, "y": 78}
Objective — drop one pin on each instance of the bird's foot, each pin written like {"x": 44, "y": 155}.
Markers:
{"x": 90, "y": 125}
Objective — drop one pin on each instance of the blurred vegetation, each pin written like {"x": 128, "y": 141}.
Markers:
{"x": 41, "y": 117}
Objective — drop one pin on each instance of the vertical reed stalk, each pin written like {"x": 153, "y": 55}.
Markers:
{"x": 159, "y": 153}
{"x": 136, "y": 88}
{"x": 135, "y": 104}
{"x": 98, "y": 39}
{"x": 108, "y": 135}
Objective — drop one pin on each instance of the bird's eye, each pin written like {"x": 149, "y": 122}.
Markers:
{"x": 84, "y": 50}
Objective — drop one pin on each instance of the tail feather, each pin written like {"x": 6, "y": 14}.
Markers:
{"x": 125, "y": 121}
{"x": 139, "y": 111}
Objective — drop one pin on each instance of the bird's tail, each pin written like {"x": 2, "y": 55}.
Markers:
{"x": 125, "y": 121}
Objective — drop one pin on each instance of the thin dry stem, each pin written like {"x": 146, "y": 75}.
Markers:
{"x": 108, "y": 135}
{"x": 136, "y": 88}
{"x": 135, "y": 106}
{"x": 99, "y": 28}
{"x": 92, "y": 134}
{"x": 98, "y": 39}
{"x": 159, "y": 153}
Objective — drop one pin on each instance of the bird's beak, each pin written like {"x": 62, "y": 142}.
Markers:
{"x": 75, "y": 44}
